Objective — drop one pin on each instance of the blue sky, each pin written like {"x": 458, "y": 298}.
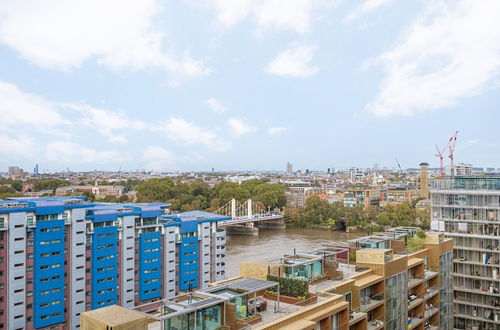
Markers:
{"x": 247, "y": 84}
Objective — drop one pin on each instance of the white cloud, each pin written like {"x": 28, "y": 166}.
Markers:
{"x": 66, "y": 152}
{"x": 364, "y": 8}
{"x": 182, "y": 131}
{"x": 276, "y": 130}
{"x": 291, "y": 15}
{"x": 20, "y": 146}
{"x": 120, "y": 34}
{"x": 28, "y": 111}
{"x": 158, "y": 158}
{"x": 293, "y": 62}
{"x": 108, "y": 122}
{"x": 215, "y": 105}
{"x": 239, "y": 128}
{"x": 21, "y": 111}
{"x": 450, "y": 53}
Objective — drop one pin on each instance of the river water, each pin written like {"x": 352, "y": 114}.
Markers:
{"x": 274, "y": 243}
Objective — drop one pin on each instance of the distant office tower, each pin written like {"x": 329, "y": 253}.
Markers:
{"x": 468, "y": 210}
{"x": 35, "y": 170}
{"x": 424, "y": 180}
{"x": 61, "y": 256}
{"x": 462, "y": 170}
{"x": 15, "y": 171}
{"x": 289, "y": 168}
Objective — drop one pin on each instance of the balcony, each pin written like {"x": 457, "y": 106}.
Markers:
{"x": 414, "y": 281}
{"x": 477, "y": 277}
{"x": 414, "y": 320}
{"x": 375, "y": 324}
{"x": 369, "y": 303}
{"x": 431, "y": 292}
{"x": 428, "y": 274}
{"x": 356, "y": 316}
{"x": 475, "y": 304}
{"x": 430, "y": 310}
{"x": 414, "y": 302}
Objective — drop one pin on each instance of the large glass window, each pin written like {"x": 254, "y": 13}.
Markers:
{"x": 446, "y": 291}
{"x": 396, "y": 312}
{"x": 209, "y": 318}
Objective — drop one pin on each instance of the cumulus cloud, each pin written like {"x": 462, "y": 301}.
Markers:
{"x": 276, "y": 130}
{"x": 19, "y": 146}
{"x": 215, "y": 105}
{"x": 67, "y": 152}
{"x": 120, "y": 34}
{"x": 450, "y": 53}
{"x": 364, "y": 8}
{"x": 108, "y": 122}
{"x": 158, "y": 158}
{"x": 293, "y": 62}
{"x": 290, "y": 15}
{"x": 238, "y": 127}
{"x": 20, "y": 109}
{"x": 188, "y": 133}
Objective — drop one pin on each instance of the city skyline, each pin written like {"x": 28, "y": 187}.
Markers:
{"x": 247, "y": 85}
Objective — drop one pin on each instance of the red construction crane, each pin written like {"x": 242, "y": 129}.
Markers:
{"x": 440, "y": 154}
{"x": 451, "y": 147}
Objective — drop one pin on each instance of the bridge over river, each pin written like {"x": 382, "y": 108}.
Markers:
{"x": 247, "y": 217}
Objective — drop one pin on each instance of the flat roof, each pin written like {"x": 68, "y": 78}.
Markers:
{"x": 114, "y": 315}
{"x": 368, "y": 280}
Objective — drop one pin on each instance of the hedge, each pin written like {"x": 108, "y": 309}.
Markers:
{"x": 290, "y": 286}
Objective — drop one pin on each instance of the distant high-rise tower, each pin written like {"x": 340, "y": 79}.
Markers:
{"x": 289, "y": 168}
{"x": 35, "y": 170}
{"x": 424, "y": 180}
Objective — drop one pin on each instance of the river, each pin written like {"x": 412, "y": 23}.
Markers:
{"x": 274, "y": 243}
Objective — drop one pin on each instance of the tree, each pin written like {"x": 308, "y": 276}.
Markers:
{"x": 17, "y": 185}
{"x": 155, "y": 190}
{"x": 8, "y": 190}
{"x": 90, "y": 196}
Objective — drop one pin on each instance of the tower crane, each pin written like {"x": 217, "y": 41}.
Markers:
{"x": 451, "y": 147}
{"x": 401, "y": 171}
{"x": 440, "y": 154}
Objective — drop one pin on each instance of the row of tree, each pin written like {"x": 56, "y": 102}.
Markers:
{"x": 318, "y": 211}
{"x": 199, "y": 195}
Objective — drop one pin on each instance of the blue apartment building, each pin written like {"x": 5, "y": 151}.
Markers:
{"x": 61, "y": 256}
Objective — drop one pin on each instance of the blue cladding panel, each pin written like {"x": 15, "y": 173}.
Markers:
{"x": 104, "y": 267}
{"x": 188, "y": 263}
{"x": 149, "y": 266}
{"x": 189, "y": 226}
{"x": 48, "y": 273}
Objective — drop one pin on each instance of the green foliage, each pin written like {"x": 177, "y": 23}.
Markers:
{"x": 404, "y": 214}
{"x": 415, "y": 243}
{"x": 352, "y": 256}
{"x": 199, "y": 195}
{"x": 6, "y": 190}
{"x": 7, "y": 195}
{"x": 290, "y": 286}
{"x": 421, "y": 234}
{"x": 370, "y": 219}
{"x": 90, "y": 196}
{"x": 16, "y": 185}
{"x": 47, "y": 184}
